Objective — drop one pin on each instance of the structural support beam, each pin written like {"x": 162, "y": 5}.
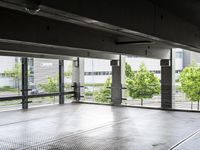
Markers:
{"x": 168, "y": 82}
{"x": 61, "y": 82}
{"x": 24, "y": 83}
{"x": 38, "y": 50}
{"x": 36, "y": 35}
{"x": 78, "y": 78}
{"x": 116, "y": 86}
{"x": 127, "y": 18}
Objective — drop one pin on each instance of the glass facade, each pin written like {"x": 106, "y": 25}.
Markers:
{"x": 96, "y": 73}
{"x": 140, "y": 91}
{"x": 43, "y": 78}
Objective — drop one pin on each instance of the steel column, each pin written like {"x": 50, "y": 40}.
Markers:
{"x": 61, "y": 82}
{"x": 24, "y": 83}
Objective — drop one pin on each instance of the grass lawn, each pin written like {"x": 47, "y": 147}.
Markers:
{"x": 8, "y": 89}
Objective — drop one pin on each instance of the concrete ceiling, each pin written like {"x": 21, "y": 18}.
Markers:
{"x": 140, "y": 27}
{"x": 186, "y": 9}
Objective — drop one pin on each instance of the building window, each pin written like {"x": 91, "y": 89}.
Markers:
{"x": 179, "y": 54}
{"x": 98, "y": 73}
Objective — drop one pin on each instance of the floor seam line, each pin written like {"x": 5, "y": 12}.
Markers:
{"x": 184, "y": 140}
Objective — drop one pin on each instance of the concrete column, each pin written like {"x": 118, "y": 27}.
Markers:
{"x": 25, "y": 83}
{"x": 61, "y": 82}
{"x": 78, "y": 77}
{"x": 168, "y": 82}
{"x": 116, "y": 87}
{"x": 123, "y": 75}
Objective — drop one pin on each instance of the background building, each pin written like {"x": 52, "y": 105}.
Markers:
{"x": 189, "y": 57}
{"x": 7, "y": 63}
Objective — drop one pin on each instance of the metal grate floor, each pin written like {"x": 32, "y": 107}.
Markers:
{"x": 96, "y": 127}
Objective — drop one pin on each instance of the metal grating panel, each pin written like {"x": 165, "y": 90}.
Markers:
{"x": 95, "y": 127}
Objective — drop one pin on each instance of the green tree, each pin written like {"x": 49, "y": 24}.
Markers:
{"x": 16, "y": 74}
{"x": 51, "y": 86}
{"x": 130, "y": 75}
{"x": 143, "y": 85}
{"x": 68, "y": 75}
{"x": 104, "y": 94}
{"x": 190, "y": 82}
{"x": 128, "y": 71}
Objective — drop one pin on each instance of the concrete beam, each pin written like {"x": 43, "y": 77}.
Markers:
{"x": 138, "y": 17}
{"x": 37, "y": 50}
{"x": 32, "y": 34}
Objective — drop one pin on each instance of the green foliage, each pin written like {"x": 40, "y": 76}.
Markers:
{"x": 190, "y": 82}
{"x": 68, "y": 86}
{"x": 51, "y": 86}
{"x": 89, "y": 93}
{"x": 129, "y": 72}
{"x": 144, "y": 84}
{"x": 8, "y": 89}
{"x": 68, "y": 73}
{"x": 94, "y": 84}
{"x": 141, "y": 85}
{"x": 15, "y": 72}
{"x": 104, "y": 94}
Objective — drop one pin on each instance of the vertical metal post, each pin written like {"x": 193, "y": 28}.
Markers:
{"x": 61, "y": 82}
{"x": 77, "y": 91}
{"x": 25, "y": 83}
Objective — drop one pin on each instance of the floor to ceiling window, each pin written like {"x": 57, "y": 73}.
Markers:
{"x": 10, "y": 81}
{"x": 97, "y": 78}
{"x": 142, "y": 81}
{"x": 43, "y": 77}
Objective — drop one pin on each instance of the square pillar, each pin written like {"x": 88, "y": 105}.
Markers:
{"x": 116, "y": 86}
{"x": 168, "y": 82}
{"x": 61, "y": 82}
{"x": 24, "y": 83}
{"x": 123, "y": 75}
{"x": 78, "y": 77}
